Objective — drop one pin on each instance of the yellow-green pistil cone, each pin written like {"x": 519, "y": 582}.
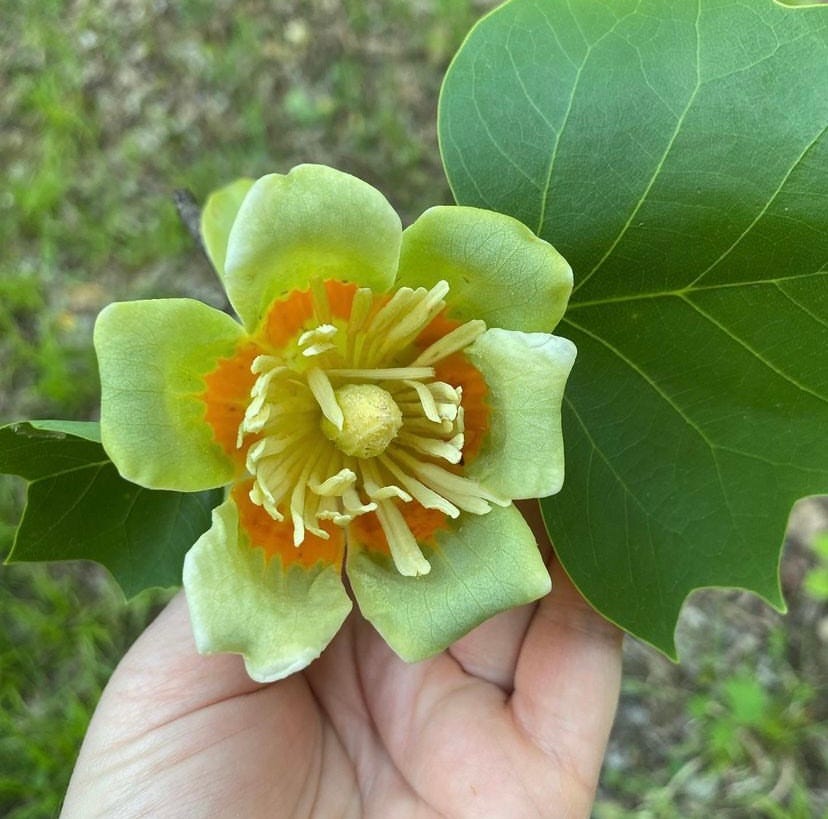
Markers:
{"x": 371, "y": 419}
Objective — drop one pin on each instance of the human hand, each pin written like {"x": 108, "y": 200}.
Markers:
{"x": 511, "y": 721}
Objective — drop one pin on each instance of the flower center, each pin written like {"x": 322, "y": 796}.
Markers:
{"x": 370, "y": 420}
{"x": 350, "y": 419}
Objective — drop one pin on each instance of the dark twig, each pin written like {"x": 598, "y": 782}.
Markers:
{"x": 190, "y": 214}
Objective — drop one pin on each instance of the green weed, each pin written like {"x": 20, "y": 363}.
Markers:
{"x": 62, "y": 629}
{"x": 816, "y": 581}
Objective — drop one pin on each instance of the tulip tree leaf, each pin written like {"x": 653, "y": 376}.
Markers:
{"x": 676, "y": 154}
{"x": 79, "y": 507}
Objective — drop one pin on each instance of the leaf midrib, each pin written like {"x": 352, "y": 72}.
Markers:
{"x": 689, "y": 290}
{"x": 69, "y": 471}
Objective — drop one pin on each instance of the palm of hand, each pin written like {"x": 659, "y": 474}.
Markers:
{"x": 512, "y": 721}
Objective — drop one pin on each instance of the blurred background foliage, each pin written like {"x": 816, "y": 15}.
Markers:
{"x": 108, "y": 107}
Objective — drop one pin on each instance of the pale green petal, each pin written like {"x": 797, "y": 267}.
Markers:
{"x": 313, "y": 222}
{"x": 498, "y": 270}
{"x": 483, "y": 564}
{"x": 153, "y": 356}
{"x": 278, "y": 620}
{"x": 522, "y": 455}
{"x": 217, "y": 218}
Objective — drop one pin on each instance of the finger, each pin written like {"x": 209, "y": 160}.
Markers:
{"x": 490, "y": 652}
{"x": 164, "y": 669}
{"x": 531, "y": 511}
{"x": 172, "y": 723}
{"x": 567, "y": 682}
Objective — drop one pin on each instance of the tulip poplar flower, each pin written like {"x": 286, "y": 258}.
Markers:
{"x": 383, "y": 398}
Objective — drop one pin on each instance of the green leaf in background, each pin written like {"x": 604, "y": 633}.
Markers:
{"x": 79, "y": 507}
{"x": 675, "y": 153}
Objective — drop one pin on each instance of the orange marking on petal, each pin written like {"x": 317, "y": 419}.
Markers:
{"x": 276, "y": 537}
{"x": 340, "y": 297}
{"x": 290, "y": 316}
{"x": 457, "y": 371}
{"x": 368, "y": 533}
{"x": 227, "y": 394}
{"x": 441, "y": 325}
{"x": 423, "y": 523}
{"x": 287, "y": 318}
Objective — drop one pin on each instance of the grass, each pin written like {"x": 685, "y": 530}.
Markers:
{"x": 110, "y": 106}
{"x": 737, "y": 730}
{"x": 63, "y": 630}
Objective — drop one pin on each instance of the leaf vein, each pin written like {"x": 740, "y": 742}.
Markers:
{"x": 628, "y": 493}
{"x": 799, "y": 304}
{"x": 661, "y": 294}
{"x": 488, "y": 132}
{"x": 761, "y": 212}
{"x": 645, "y": 377}
{"x": 755, "y": 353}
{"x": 58, "y": 520}
{"x": 547, "y": 184}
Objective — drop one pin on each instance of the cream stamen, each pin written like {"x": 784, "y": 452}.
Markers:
{"x": 328, "y": 443}
{"x": 323, "y": 392}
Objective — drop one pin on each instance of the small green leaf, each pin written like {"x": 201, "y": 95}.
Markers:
{"x": 79, "y": 508}
{"x": 37, "y": 449}
{"x": 676, "y": 155}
